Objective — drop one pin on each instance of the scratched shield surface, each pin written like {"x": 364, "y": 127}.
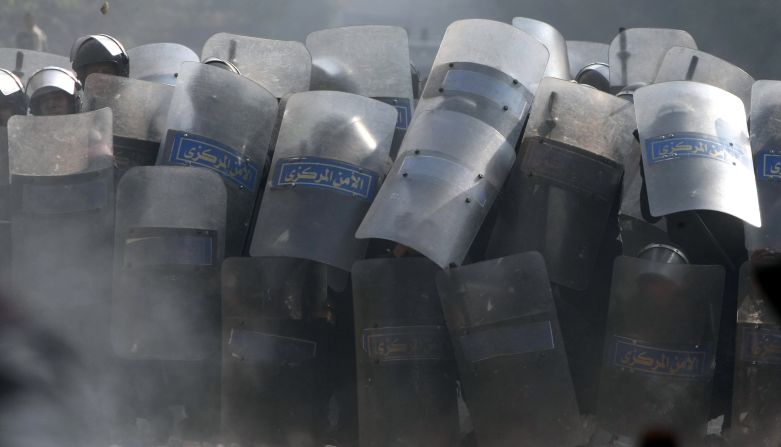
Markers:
{"x": 511, "y": 356}
{"x": 565, "y": 173}
{"x": 757, "y": 388}
{"x": 159, "y": 62}
{"x": 330, "y": 159}
{"x": 696, "y": 151}
{"x": 222, "y": 122}
{"x": 766, "y": 146}
{"x": 139, "y": 108}
{"x": 406, "y": 371}
{"x": 663, "y": 324}
{"x": 275, "y": 349}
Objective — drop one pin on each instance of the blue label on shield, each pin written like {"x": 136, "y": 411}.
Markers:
{"x": 769, "y": 167}
{"x": 761, "y": 345}
{"x": 194, "y": 150}
{"x": 688, "y": 145}
{"x": 403, "y": 108}
{"x": 506, "y": 341}
{"x": 630, "y": 354}
{"x": 314, "y": 172}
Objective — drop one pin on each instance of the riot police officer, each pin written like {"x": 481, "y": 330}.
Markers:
{"x": 53, "y": 91}
{"x": 13, "y": 100}
{"x": 99, "y": 53}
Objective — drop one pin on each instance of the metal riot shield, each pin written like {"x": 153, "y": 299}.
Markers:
{"x": 756, "y": 407}
{"x": 221, "y": 121}
{"x": 274, "y": 390}
{"x": 568, "y": 174}
{"x": 766, "y": 147}
{"x": 281, "y": 67}
{"x": 636, "y": 54}
{"x": 23, "y": 63}
{"x": 159, "y": 62}
{"x": 330, "y": 158}
{"x": 406, "y": 371}
{"x": 506, "y": 338}
{"x": 687, "y": 64}
{"x": 62, "y": 219}
{"x": 696, "y": 153}
{"x": 449, "y": 171}
{"x": 660, "y": 346}
{"x": 139, "y": 109}
{"x": 558, "y": 63}
{"x": 169, "y": 243}
{"x": 371, "y": 61}
{"x": 488, "y": 70}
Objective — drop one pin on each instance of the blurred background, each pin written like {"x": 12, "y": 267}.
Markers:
{"x": 742, "y": 32}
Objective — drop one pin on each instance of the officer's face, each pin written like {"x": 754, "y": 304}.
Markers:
{"x": 55, "y": 103}
{"x": 100, "y": 67}
{"x": 6, "y": 112}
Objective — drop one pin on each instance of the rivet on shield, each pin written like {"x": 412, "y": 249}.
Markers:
{"x": 505, "y": 108}
{"x": 403, "y": 174}
{"x": 515, "y": 81}
{"x": 441, "y": 90}
{"x": 480, "y": 176}
{"x": 468, "y": 200}
{"x": 450, "y": 65}
{"x": 417, "y": 151}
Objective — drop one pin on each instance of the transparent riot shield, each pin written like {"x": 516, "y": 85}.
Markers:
{"x": 406, "y": 371}
{"x": 506, "y": 338}
{"x": 568, "y": 174}
{"x": 558, "y": 63}
{"x": 169, "y": 243}
{"x": 636, "y": 54}
{"x": 371, "y": 61}
{"x": 582, "y": 54}
{"x": 660, "y": 347}
{"x": 275, "y": 351}
{"x": 62, "y": 221}
{"x": 221, "y": 121}
{"x": 139, "y": 109}
{"x": 766, "y": 147}
{"x": 756, "y": 404}
{"x": 26, "y": 62}
{"x": 487, "y": 70}
{"x": 696, "y": 153}
{"x": 5, "y": 213}
{"x": 159, "y": 62}
{"x": 448, "y": 173}
{"x": 281, "y": 67}
{"x": 330, "y": 158}
{"x": 687, "y": 64}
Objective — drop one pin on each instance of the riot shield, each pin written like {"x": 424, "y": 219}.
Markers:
{"x": 223, "y": 122}
{"x": 274, "y": 391}
{"x": 471, "y": 76}
{"x": 582, "y": 54}
{"x": 159, "y": 62}
{"x": 281, "y": 67}
{"x": 568, "y": 174}
{"x": 26, "y": 62}
{"x": 506, "y": 338}
{"x": 696, "y": 153}
{"x": 329, "y": 161}
{"x": 449, "y": 171}
{"x": 636, "y": 54}
{"x": 687, "y": 64}
{"x": 371, "y": 61}
{"x": 406, "y": 372}
{"x": 756, "y": 404}
{"x": 139, "y": 109}
{"x": 169, "y": 243}
{"x": 765, "y": 138}
{"x": 62, "y": 220}
{"x": 660, "y": 346}
{"x": 5, "y": 213}
{"x": 558, "y": 63}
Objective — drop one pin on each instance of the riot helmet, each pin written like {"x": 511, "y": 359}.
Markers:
{"x": 663, "y": 253}
{"x": 99, "y": 53}
{"x": 222, "y": 63}
{"x": 53, "y": 91}
{"x": 596, "y": 75}
{"x": 13, "y": 100}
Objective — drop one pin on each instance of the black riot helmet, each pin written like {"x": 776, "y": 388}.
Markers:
{"x": 12, "y": 93}
{"x": 53, "y": 80}
{"x": 99, "y": 49}
{"x": 222, "y": 63}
